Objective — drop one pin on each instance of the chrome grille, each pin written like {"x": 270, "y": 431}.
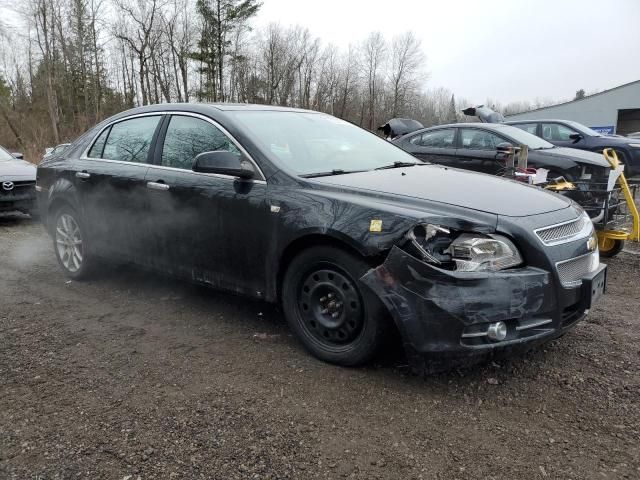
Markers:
{"x": 559, "y": 233}
{"x": 572, "y": 271}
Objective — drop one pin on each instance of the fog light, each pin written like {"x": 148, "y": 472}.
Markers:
{"x": 497, "y": 331}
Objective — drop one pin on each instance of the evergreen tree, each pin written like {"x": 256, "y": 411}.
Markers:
{"x": 452, "y": 114}
{"x": 220, "y": 19}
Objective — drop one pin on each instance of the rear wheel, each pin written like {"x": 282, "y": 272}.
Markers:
{"x": 70, "y": 244}
{"x": 335, "y": 318}
{"x": 610, "y": 247}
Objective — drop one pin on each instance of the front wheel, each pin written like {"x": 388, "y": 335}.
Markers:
{"x": 70, "y": 244}
{"x": 336, "y": 319}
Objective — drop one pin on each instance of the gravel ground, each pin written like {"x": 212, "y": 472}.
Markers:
{"x": 132, "y": 375}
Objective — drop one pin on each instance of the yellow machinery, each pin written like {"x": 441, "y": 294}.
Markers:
{"x": 611, "y": 242}
{"x": 617, "y": 219}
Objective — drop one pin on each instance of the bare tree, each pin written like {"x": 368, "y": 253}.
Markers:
{"x": 136, "y": 30}
{"x": 407, "y": 63}
{"x": 373, "y": 52}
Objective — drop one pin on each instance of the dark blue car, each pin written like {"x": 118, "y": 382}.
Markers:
{"x": 566, "y": 133}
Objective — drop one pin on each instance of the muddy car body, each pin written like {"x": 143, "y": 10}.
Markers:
{"x": 350, "y": 233}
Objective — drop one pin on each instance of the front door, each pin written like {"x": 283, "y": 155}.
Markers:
{"x": 560, "y": 135}
{"x": 208, "y": 227}
{"x": 478, "y": 151}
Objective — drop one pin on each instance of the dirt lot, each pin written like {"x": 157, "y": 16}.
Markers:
{"x": 134, "y": 376}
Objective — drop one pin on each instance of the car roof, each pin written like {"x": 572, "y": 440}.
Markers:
{"x": 537, "y": 120}
{"x": 202, "y": 106}
{"x": 488, "y": 126}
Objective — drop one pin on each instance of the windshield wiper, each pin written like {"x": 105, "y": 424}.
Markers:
{"x": 336, "y": 171}
{"x": 399, "y": 165}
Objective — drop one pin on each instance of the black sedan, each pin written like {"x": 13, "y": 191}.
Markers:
{"x": 352, "y": 235}
{"x": 477, "y": 147}
{"x": 565, "y": 133}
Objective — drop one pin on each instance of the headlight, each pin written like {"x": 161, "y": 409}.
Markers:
{"x": 474, "y": 253}
{"x": 467, "y": 252}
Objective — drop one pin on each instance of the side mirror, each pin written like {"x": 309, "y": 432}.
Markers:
{"x": 576, "y": 137}
{"x": 18, "y": 155}
{"x": 223, "y": 163}
{"x": 504, "y": 148}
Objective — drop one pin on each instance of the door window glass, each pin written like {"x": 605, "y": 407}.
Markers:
{"x": 130, "y": 140}
{"x": 480, "y": 139}
{"x": 527, "y": 127}
{"x": 435, "y": 139}
{"x": 98, "y": 146}
{"x": 556, "y": 132}
{"x": 187, "y": 137}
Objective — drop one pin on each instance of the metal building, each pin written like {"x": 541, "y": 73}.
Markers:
{"x": 616, "y": 110}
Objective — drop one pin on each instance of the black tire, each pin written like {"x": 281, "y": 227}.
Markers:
{"x": 615, "y": 249}
{"x": 82, "y": 267}
{"x": 349, "y": 332}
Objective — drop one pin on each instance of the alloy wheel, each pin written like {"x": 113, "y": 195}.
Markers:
{"x": 69, "y": 242}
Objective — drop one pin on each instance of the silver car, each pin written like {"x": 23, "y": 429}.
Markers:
{"x": 17, "y": 183}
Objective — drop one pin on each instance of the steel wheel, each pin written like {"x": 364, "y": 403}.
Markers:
{"x": 68, "y": 238}
{"x": 330, "y": 307}
{"x": 334, "y": 319}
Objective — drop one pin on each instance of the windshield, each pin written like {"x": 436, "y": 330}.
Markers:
{"x": 4, "y": 155}
{"x": 525, "y": 138}
{"x": 583, "y": 129}
{"x": 309, "y": 143}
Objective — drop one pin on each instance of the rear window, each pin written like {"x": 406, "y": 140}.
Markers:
{"x": 127, "y": 141}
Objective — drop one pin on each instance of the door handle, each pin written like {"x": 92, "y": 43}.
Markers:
{"x": 83, "y": 174}
{"x": 157, "y": 186}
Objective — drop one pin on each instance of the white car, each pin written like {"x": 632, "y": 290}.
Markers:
{"x": 17, "y": 183}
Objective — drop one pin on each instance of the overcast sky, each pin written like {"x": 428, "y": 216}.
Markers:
{"x": 504, "y": 49}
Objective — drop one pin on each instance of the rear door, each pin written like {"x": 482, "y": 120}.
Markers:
{"x": 205, "y": 226}
{"x": 532, "y": 127}
{"x": 110, "y": 180}
{"x": 478, "y": 151}
{"x": 436, "y": 146}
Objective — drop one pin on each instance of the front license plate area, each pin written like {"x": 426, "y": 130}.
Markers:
{"x": 593, "y": 288}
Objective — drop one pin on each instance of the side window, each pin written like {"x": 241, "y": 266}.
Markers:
{"x": 130, "y": 140}
{"x": 527, "y": 127}
{"x": 188, "y": 137}
{"x": 98, "y": 146}
{"x": 555, "y": 131}
{"x": 436, "y": 139}
{"x": 480, "y": 139}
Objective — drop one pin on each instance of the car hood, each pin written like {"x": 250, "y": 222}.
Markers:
{"x": 617, "y": 140}
{"x": 21, "y": 169}
{"x": 476, "y": 191}
{"x": 578, "y": 156}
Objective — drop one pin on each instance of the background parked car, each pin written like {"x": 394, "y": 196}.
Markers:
{"x": 474, "y": 146}
{"x": 58, "y": 149}
{"x": 17, "y": 183}
{"x": 566, "y": 133}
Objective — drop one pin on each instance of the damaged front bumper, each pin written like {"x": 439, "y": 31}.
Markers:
{"x": 444, "y": 316}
